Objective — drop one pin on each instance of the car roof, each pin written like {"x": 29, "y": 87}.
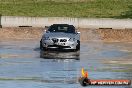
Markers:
{"x": 61, "y": 25}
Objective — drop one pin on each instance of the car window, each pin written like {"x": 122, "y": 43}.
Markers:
{"x": 62, "y": 28}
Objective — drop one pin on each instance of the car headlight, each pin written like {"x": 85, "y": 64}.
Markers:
{"x": 72, "y": 39}
{"x": 46, "y": 38}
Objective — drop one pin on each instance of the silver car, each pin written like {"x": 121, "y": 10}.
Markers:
{"x": 60, "y": 36}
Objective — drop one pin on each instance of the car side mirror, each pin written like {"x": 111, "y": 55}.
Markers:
{"x": 47, "y": 26}
{"x": 78, "y": 32}
{"x": 45, "y": 31}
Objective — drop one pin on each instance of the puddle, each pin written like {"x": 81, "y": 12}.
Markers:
{"x": 23, "y": 65}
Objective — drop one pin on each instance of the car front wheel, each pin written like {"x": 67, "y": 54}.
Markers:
{"x": 41, "y": 46}
{"x": 78, "y": 45}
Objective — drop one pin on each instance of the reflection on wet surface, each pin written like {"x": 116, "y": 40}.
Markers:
{"x": 23, "y": 65}
{"x": 59, "y": 55}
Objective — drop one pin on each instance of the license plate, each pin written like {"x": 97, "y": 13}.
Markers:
{"x": 62, "y": 44}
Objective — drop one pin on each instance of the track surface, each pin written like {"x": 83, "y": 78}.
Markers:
{"x": 23, "y": 65}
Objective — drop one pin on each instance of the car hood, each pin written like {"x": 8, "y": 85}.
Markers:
{"x": 60, "y": 35}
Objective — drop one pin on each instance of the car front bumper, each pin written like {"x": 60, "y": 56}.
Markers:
{"x": 60, "y": 45}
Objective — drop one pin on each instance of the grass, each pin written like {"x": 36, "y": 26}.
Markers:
{"x": 67, "y": 8}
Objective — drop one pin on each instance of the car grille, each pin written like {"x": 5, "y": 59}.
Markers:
{"x": 63, "y": 40}
{"x": 55, "y": 40}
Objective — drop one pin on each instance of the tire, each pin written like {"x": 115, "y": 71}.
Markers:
{"x": 78, "y": 45}
{"x": 41, "y": 46}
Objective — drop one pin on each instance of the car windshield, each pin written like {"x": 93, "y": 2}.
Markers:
{"x": 62, "y": 28}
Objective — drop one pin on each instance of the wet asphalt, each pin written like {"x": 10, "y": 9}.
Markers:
{"x": 24, "y": 65}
